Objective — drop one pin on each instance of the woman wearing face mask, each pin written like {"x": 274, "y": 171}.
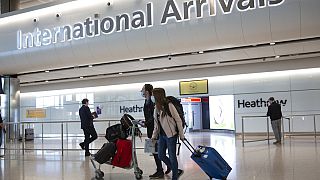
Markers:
{"x": 165, "y": 127}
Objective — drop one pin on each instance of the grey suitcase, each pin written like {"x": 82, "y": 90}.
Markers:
{"x": 29, "y": 134}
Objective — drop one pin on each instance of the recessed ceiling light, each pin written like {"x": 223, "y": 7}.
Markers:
{"x": 47, "y": 71}
{"x": 165, "y": 69}
{"x": 277, "y": 57}
{"x": 272, "y": 43}
{"x": 90, "y": 66}
{"x": 200, "y": 52}
{"x": 81, "y": 77}
{"x": 47, "y": 81}
{"x": 141, "y": 59}
{"x": 120, "y": 73}
{"x": 217, "y": 62}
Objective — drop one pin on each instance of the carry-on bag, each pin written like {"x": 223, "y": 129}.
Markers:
{"x": 126, "y": 121}
{"x": 150, "y": 147}
{"x": 107, "y": 151}
{"x": 115, "y": 132}
{"x": 210, "y": 161}
{"x": 123, "y": 156}
{"x": 29, "y": 134}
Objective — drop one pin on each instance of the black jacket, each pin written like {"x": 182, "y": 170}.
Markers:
{"x": 148, "y": 110}
{"x": 86, "y": 117}
{"x": 274, "y": 111}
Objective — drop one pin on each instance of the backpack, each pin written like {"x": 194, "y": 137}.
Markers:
{"x": 115, "y": 132}
{"x": 177, "y": 104}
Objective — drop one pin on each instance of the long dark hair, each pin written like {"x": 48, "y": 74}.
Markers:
{"x": 161, "y": 100}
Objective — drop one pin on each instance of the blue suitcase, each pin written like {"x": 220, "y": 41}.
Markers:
{"x": 210, "y": 161}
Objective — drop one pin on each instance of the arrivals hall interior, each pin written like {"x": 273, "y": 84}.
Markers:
{"x": 245, "y": 74}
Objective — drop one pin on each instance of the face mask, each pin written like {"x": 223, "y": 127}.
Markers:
{"x": 142, "y": 94}
{"x": 153, "y": 99}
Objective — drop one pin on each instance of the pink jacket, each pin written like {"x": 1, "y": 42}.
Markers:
{"x": 168, "y": 123}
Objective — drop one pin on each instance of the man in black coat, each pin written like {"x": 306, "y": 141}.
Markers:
{"x": 87, "y": 126}
{"x": 148, "y": 110}
{"x": 1, "y": 128}
{"x": 274, "y": 111}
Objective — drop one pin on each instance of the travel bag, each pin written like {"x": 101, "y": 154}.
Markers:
{"x": 210, "y": 161}
{"x": 115, "y": 132}
{"x": 107, "y": 151}
{"x": 123, "y": 156}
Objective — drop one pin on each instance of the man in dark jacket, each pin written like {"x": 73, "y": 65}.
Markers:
{"x": 1, "y": 128}
{"x": 87, "y": 126}
{"x": 148, "y": 110}
{"x": 274, "y": 111}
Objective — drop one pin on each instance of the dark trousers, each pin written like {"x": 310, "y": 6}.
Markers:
{"x": 158, "y": 161}
{"x": 89, "y": 131}
{"x": 1, "y": 136}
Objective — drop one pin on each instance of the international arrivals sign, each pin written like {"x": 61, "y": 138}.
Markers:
{"x": 93, "y": 27}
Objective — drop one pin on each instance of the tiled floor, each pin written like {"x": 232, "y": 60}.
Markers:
{"x": 297, "y": 158}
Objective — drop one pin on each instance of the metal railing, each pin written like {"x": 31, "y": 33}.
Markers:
{"x": 63, "y": 134}
{"x": 284, "y": 133}
{"x": 290, "y": 122}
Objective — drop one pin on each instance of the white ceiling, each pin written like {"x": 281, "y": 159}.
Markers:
{"x": 252, "y": 54}
{"x": 222, "y": 57}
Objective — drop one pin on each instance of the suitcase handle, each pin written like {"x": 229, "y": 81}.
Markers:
{"x": 190, "y": 147}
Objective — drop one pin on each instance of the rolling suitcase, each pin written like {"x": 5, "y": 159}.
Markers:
{"x": 29, "y": 134}
{"x": 107, "y": 151}
{"x": 210, "y": 161}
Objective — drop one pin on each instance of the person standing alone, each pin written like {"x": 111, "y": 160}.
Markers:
{"x": 274, "y": 111}
{"x": 87, "y": 126}
{"x": 148, "y": 110}
{"x": 1, "y": 129}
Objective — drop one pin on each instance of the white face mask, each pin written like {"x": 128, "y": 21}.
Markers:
{"x": 153, "y": 99}
{"x": 142, "y": 94}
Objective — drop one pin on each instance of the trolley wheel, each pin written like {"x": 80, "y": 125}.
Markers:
{"x": 140, "y": 171}
{"x": 138, "y": 176}
{"x": 99, "y": 174}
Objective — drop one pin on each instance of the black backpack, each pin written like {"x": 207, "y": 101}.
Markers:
{"x": 115, "y": 132}
{"x": 177, "y": 104}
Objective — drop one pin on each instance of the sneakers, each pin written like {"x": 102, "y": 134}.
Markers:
{"x": 277, "y": 142}
{"x": 87, "y": 154}
{"x": 157, "y": 175}
{"x": 180, "y": 172}
{"x": 81, "y": 145}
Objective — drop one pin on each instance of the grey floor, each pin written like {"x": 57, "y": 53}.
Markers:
{"x": 296, "y": 158}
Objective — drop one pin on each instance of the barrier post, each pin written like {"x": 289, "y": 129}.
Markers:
{"x": 242, "y": 134}
{"x": 268, "y": 131}
{"x": 314, "y": 126}
{"x": 62, "y": 139}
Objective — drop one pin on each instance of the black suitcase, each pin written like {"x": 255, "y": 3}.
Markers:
{"x": 29, "y": 134}
{"x": 116, "y": 132}
{"x": 107, "y": 151}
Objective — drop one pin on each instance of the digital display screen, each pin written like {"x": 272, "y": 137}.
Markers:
{"x": 221, "y": 112}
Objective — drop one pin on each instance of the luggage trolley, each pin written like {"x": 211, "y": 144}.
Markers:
{"x": 134, "y": 162}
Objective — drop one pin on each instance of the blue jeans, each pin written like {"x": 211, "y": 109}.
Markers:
{"x": 171, "y": 162}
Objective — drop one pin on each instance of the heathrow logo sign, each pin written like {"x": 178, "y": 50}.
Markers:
{"x": 93, "y": 27}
